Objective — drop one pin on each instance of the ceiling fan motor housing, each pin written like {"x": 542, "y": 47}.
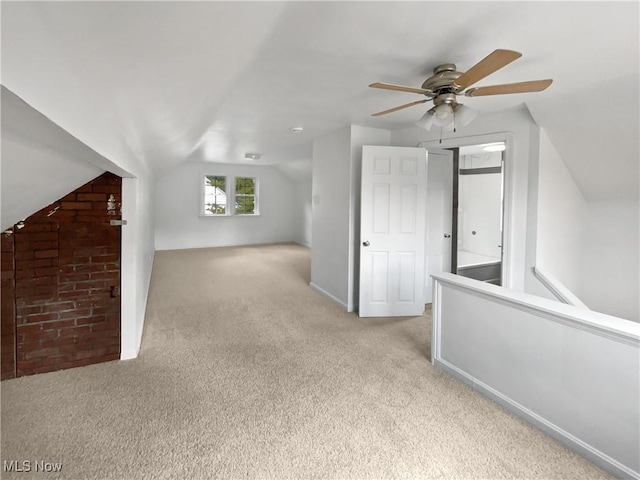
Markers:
{"x": 443, "y": 79}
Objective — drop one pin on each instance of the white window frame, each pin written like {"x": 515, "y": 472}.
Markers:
{"x": 202, "y": 193}
{"x": 256, "y": 193}
{"x": 230, "y": 189}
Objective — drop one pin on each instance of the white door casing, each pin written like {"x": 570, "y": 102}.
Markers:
{"x": 439, "y": 216}
{"x": 392, "y": 231}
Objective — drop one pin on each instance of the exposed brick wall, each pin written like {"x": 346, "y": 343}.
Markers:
{"x": 67, "y": 281}
{"x": 7, "y": 308}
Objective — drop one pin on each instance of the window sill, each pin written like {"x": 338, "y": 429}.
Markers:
{"x": 235, "y": 215}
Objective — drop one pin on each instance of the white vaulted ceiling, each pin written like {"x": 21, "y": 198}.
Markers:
{"x": 160, "y": 83}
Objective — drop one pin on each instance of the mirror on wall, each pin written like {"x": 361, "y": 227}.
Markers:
{"x": 478, "y": 212}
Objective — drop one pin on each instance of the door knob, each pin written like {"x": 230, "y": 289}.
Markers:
{"x": 366, "y": 243}
{"x": 447, "y": 235}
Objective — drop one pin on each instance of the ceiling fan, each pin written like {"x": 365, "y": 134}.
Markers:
{"x": 446, "y": 83}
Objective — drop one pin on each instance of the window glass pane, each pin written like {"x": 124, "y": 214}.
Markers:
{"x": 215, "y": 196}
{"x": 245, "y": 196}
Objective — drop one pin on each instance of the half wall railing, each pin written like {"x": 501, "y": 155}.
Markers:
{"x": 571, "y": 372}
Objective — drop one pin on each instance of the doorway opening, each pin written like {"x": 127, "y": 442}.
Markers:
{"x": 477, "y": 213}
{"x": 466, "y": 214}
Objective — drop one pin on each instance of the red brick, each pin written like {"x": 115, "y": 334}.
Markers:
{"x": 65, "y": 215}
{"x": 74, "y": 314}
{"x": 91, "y": 319}
{"x": 33, "y": 299}
{"x": 41, "y": 353}
{"x": 115, "y": 275}
{"x": 97, "y": 214}
{"x": 104, "y": 341}
{"x": 55, "y": 326}
{"x": 60, "y": 306}
{"x": 46, "y": 254}
{"x": 75, "y": 205}
{"x": 58, "y": 342}
{"x": 29, "y": 329}
{"x": 42, "y": 262}
{"x": 46, "y": 271}
{"x": 28, "y": 310}
{"x": 83, "y": 303}
{"x": 103, "y": 189}
{"x": 106, "y": 329}
{"x": 43, "y": 237}
{"x": 93, "y": 197}
{"x": 92, "y": 284}
{"x": 28, "y": 255}
{"x": 25, "y": 273}
{"x": 37, "y": 318}
{"x": 73, "y": 331}
{"x": 75, "y": 253}
{"x": 39, "y": 227}
{"x": 105, "y": 258}
{"x": 71, "y": 197}
{"x": 73, "y": 295}
{"x": 74, "y": 277}
{"x": 86, "y": 188}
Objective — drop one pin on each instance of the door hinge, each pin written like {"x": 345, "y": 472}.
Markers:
{"x": 118, "y": 223}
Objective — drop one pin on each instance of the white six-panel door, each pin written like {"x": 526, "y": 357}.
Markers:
{"x": 392, "y": 231}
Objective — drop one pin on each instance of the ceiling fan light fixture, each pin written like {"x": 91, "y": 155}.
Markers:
{"x": 426, "y": 121}
{"x": 464, "y": 115}
{"x": 443, "y": 115}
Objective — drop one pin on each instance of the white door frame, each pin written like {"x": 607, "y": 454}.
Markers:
{"x": 508, "y": 179}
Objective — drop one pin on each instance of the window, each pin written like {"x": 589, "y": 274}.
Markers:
{"x": 215, "y": 195}
{"x": 220, "y": 193}
{"x": 245, "y": 196}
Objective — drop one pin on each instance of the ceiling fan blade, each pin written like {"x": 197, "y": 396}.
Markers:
{"x": 395, "y": 109}
{"x": 485, "y": 67}
{"x": 399, "y": 88}
{"x": 521, "y": 87}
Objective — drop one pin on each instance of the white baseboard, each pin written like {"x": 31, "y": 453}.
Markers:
{"x": 128, "y": 354}
{"x": 331, "y": 297}
{"x": 592, "y": 454}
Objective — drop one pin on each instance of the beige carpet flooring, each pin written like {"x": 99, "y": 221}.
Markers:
{"x": 246, "y": 373}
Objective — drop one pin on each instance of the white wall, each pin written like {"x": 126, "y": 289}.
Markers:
{"x": 303, "y": 192}
{"x": 330, "y": 212}
{"x": 177, "y": 209}
{"x": 138, "y": 249}
{"x": 479, "y": 211}
{"x": 611, "y": 259}
{"x": 521, "y": 166}
{"x": 337, "y": 166}
{"x": 561, "y": 216}
{"x": 592, "y": 247}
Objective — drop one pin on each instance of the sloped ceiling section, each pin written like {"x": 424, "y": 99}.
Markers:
{"x": 139, "y": 82}
{"x": 40, "y": 161}
{"x": 159, "y": 83}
